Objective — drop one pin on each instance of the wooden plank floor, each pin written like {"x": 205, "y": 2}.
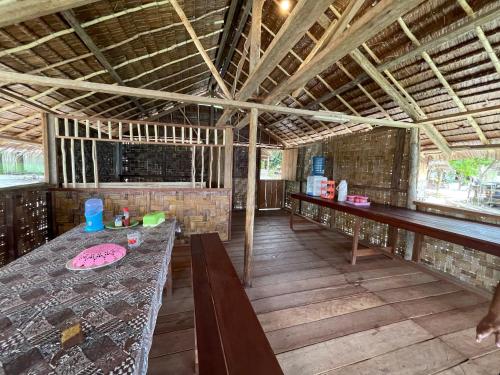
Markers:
{"x": 324, "y": 316}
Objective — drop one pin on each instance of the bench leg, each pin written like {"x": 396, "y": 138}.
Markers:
{"x": 292, "y": 212}
{"x": 417, "y": 247}
{"x": 355, "y": 240}
{"x": 169, "y": 286}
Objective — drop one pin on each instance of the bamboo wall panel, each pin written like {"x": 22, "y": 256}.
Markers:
{"x": 24, "y": 221}
{"x": 198, "y": 211}
{"x": 469, "y": 265}
{"x": 366, "y": 162}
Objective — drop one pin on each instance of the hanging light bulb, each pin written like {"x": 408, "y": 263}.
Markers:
{"x": 285, "y": 5}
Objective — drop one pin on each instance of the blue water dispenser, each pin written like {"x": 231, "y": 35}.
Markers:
{"x": 93, "y": 215}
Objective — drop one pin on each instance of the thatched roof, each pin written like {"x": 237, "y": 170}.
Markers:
{"x": 148, "y": 46}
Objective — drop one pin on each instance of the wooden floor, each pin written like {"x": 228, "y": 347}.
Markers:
{"x": 324, "y": 316}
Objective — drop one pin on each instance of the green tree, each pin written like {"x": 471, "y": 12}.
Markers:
{"x": 470, "y": 167}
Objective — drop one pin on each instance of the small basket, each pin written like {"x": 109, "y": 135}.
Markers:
{"x": 327, "y": 189}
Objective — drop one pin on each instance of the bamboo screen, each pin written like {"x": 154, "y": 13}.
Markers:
{"x": 24, "y": 220}
{"x": 366, "y": 161}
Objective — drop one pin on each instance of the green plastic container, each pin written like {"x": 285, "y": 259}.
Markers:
{"x": 153, "y": 219}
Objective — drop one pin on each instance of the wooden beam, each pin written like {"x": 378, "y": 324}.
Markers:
{"x": 328, "y": 116}
{"x": 200, "y": 48}
{"x": 250, "y": 204}
{"x": 255, "y": 34}
{"x": 493, "y": 110}
{"x": 411, "y": 109}
{"x": 16, "y": 11}
{"x": 372, "y": 22}
{"x": 443, "y": 38}
{"x": 228, "y": 22}
{"x": 492, "y": 147}
{"x": 431, "y": 44}
{"x": 303, "y": 16}
{"x": 228, "y": 159}
{"x": 239, "y": 30}
{"x": 481, "y": 36}
{"x": 413, "y": 164}
{"x": 11, "y": 95}
{"x": 19, "y": 140}
{"x": 335, "y": 28}
{"x": 70, "y": 18}
{"x": 458, "y": 102}
{"x": 166, "y": 112}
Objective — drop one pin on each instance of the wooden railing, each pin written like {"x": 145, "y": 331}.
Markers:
{"x": 24, "y": 220}
{"x": 71, "y": 131}
{"x": 462, "y": 213}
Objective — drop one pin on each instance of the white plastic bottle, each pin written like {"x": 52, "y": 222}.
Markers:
{"x": 342, "y": 188}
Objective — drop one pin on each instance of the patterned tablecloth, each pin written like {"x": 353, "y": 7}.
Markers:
{"x": 116, "y": 305}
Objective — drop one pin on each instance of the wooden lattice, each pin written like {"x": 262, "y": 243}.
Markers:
{"x": 23, "y": 221}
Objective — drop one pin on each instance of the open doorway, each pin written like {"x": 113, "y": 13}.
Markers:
{"x": 271, "y": 185}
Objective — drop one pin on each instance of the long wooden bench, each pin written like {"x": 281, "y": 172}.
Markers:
{"x": 229, "y": 338}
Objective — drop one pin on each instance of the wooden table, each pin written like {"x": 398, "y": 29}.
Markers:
{"x": 116, "y": 305}
{"x": 479, "y": 236}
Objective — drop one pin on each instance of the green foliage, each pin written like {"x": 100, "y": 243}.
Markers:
{"x": 469, "y": 167}
{"x": 271, "y": 163}
{"x": 275, "y": 160}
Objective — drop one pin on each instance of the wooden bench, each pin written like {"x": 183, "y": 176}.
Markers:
{"x": 229, "y": 338}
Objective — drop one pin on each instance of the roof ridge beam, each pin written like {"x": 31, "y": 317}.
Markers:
{"x": 303, "y": 16}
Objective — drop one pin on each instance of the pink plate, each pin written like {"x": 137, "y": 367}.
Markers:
{"x": 96, "y": 257}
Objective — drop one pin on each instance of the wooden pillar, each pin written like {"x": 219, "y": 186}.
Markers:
{"x": 355, "y": 239}
{"x": 51, "y": 151}
{"x": 45, "y": 145}
{"x": 250, "y": 206}
{"x": 228, "y": 159}
{"x": 412, "y": 185}
{"x": 399, "y": 149}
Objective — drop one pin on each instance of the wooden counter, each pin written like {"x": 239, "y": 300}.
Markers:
{"x": 479, "y": 236}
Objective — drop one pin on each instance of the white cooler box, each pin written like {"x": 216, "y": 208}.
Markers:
{"x": 314, "y": 185}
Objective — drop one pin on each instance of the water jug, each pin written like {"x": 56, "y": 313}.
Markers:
{"x": 342, "y": 191}
{"x": 93, "y": 215}
{"x": 318, "y": 167}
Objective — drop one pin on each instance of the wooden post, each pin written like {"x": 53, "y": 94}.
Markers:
{"x": 417, "y": 247}
{"x": 193, "y": 166}
{"x": 293, "y": 211}
{"x": 73, "y": 168}
{"x": 51, "y": 164}
{"x": 63, "y": 160}
{"x": 355, "y": 239}
{"x": 94, "y": 161}
{"x": 210, "y": 162}
{"x": 412, "y": 185}
{"x": 399, "y": 148}
{"x": 45, "y": 145}
{"x": 218, "y": 167}
{"x": 202, "y": 166}
{"x": 228, "y": 159}
{"x": 250, "y": 206}
{"x": 84, "y": 171}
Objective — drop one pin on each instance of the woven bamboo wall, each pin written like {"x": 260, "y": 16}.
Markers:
{"x": 366, "y": 161}
{"x": 198, "y": 211}
{"x": 469, "y": 265}
{"x": 23, "y": 221}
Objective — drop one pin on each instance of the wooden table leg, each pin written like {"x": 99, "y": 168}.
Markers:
{"x": 169, "y": 280}
{"x": 355, "y": 239}
{"x": 292, "y": 212}
{"x": 417, "y": 247}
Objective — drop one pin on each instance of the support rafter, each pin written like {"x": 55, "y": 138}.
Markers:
{"x": 200, "y": 48}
